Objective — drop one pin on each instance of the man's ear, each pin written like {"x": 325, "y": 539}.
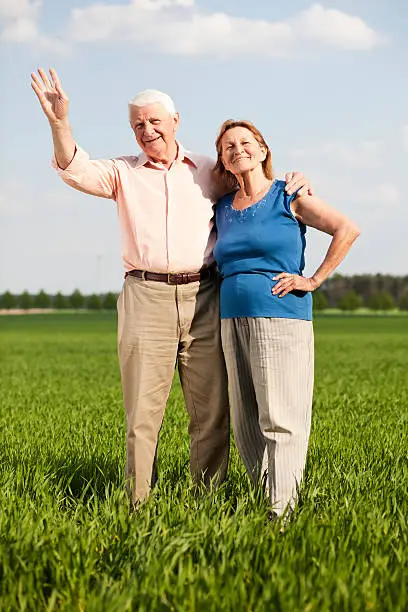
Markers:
{"x": 176, "y": 121}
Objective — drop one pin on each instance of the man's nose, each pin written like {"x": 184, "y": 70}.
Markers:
{"x": 148, "y": 129}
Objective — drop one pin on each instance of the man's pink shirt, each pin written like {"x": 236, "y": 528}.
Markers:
{"x": 165, "y": 215}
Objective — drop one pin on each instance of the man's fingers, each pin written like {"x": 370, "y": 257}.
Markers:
{"x": 36, "y": 88}
{"x": 45, "y": 78}
{"x": 292, "y": 186}
{"x": 290, "y": 183}
{"x": 37, "y": 81}
{"x": 54, "y": 76}
{"x": 298, "y": 184}
{"x": 39, "y": 92}
{"x": 57, "y": 83}
{"x": 303, "y": 191}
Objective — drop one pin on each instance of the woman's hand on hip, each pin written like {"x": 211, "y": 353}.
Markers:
{"x": 292, "y": 282}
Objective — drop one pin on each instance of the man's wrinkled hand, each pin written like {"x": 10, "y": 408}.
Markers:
{"x": 295, "y": 181}
{"x": 54, "y": 101}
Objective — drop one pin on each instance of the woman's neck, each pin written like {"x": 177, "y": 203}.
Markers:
{"x": 255, "y": 191}
{"x": 252, "y": 183}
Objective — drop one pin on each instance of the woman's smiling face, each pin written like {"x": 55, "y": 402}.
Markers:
{"x": 241, "y": 152}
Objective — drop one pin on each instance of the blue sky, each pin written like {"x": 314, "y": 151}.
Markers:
{"x": 325, "y": 82}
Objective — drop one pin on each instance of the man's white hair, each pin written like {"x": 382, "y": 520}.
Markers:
{"x": 153, "y": 96}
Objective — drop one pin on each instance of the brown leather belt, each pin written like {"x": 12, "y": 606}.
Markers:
{"x": 178, "y": 278}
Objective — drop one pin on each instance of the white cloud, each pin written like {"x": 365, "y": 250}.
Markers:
{"x": 179, "y": 27}
{"x": 18, "y": 19}
{"x": 19, "y": 9}
{"x": 19, "y": 24}
{"x": 20, "y": 30}
{"x": 334, "y": 28}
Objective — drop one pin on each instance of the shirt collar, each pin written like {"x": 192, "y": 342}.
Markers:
{"x": 182, "y": 156}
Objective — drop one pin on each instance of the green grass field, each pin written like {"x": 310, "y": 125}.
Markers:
{"x": 68, "y": 542}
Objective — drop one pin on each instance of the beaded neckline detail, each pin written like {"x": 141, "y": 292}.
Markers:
{"x": 249, "y": 211}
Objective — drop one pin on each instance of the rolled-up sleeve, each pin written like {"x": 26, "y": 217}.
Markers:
{"x": 96, "y": 177}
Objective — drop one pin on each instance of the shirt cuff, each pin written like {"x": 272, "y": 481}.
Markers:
{"x": 80, "y": 156}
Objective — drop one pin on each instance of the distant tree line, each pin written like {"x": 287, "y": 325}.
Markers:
{"x": 374, "y": 291}
{"x": 59, "y": 301}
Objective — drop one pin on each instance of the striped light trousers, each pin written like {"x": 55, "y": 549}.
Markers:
{"x": 270, "y": 364}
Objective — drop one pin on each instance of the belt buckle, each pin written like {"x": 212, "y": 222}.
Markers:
{"x": 143, "y": 275}
{"x": 172, "y": 278}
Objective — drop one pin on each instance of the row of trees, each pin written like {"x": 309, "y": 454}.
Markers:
{"x": 374, "y": 291}
{"x": 370, "y": 287}
{"x": 351, "y": 300}
{"x": 59, "y": 301}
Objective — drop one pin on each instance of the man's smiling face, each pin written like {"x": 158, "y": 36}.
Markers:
{"x": 155, "y": 129}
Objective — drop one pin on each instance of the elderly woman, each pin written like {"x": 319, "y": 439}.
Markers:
{"x": 266, "y": 307}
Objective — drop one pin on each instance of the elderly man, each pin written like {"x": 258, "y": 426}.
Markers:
{"x": 168, "y": 307}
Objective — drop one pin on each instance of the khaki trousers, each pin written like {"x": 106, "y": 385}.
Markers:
{"x": 270, "y": 365}
{"x": 160, "y": 325}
